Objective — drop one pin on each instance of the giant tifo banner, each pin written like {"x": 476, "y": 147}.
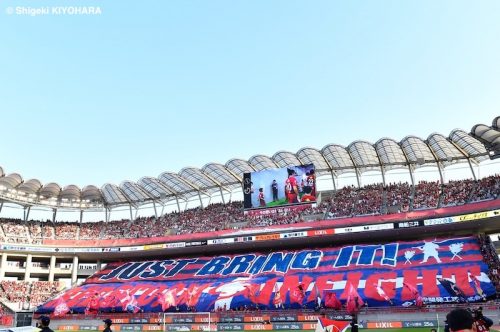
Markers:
{"x": 396, "y": 273}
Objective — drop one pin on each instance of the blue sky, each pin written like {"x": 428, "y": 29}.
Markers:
{"x": 150, "y": 86}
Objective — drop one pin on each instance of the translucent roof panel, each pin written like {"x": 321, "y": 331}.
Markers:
{"x": 30, "y": 187}
{"x": 92, "y": 194}
{"x": 363, "y": 154}
{"x": 488, "y": 135}
{"x": 417, "y": 151}
{"x": 496, "y": 123}
{"x": 444, "y": 149}
{"x": 312, "y": 156}
{"x": 50, "y": 190}
{"x": 261, "y": 162}
{"x": 239, "y": 167}
{"x": 200, "y": 180}
{"x": 134, "y": 192}
{"x": 177, "y": 184}
{"x": 154, "y": 187}
{"x": 338, "y": 157}
{"x": 112, "y": 194}
{"x": 221, "y": 175}
{"x": 471, "y": 146}
{"x": 285, "y": 159}
{"x": 390, "y": 153}
{"x": 71, "y": 192}
{"x": 11, "y": 181}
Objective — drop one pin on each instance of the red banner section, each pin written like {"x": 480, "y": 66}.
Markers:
{"x": 306, "y": 226}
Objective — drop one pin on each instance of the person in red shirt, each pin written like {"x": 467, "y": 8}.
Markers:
{"x": 308, "y": 197}
{"x": 311, "y": 182}
{"x": 291, "y": 188}
{"x": 262, "y": 201}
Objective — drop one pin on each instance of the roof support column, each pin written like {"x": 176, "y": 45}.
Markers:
{"x": 411, "y": 175}
{"x": 178, "y": 205}
{"x": 222, "y": 195}
{"x": 81, "y": 216}
{"x": 154, "y": 207}
{"x": 27, "y": 210}
{"x": 357, "y": 178}
{"x": 107, "y": 214}
{"x": 54, "y": 215}
{"x": 130, "y": 209}
{"x": 201, "y": 202}
{"x": 1, "y": 206}
{"x": 472, "y": 170}
{"x": 466, "y": 157}
{"x": 333, "y": 181}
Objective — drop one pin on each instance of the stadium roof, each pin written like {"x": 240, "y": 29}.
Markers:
{"x": 334, "y": 159}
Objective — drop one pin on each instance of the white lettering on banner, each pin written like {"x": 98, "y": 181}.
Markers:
{"x": 438, "y": 221}
{"x": 220, "y": 241}
{"x": 294, "y": 234}
{"x": 364, "y": 228}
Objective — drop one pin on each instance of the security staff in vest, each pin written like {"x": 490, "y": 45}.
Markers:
{"x": 44, "y": 324}
{"x": 107, "y": 326}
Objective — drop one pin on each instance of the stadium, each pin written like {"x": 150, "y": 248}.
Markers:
{"x": 392, "y": 233}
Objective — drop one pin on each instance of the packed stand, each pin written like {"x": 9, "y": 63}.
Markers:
{"x": 486, "y": 189}
{"x": 67, "y": 230}
{"x": 398, "y": 196}
{"x": 457, "y": 192}
{"x": 346, "y": 202}
{"x": 33, "y": 293}
{"x": 15, "y": 231}
{"x": 15, "y": 291}
{"x": 490, "y": 257}
{"x": 426, "y": 195}
{"x": 41, "y": 291}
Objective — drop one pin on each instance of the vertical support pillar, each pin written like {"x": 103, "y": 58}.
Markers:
{"x": 222, "y": 195}
{"x": 178, "y": 205}
{"x": 201, "y": 202}
{"x": 27, "y": 270}
{"x": 81, "y": 216}
{"x": 74, "y": 271}
{"x": 3, "y": 266}
{"x": 54, "y": 215}
{"x": 52, "y": 267}
{"x": 130, "y": 209}
{"x": 154, "y": 208}
{"x": 333, "y": 181}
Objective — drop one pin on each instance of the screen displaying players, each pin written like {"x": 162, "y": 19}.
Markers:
{"x": 279, "y": 187}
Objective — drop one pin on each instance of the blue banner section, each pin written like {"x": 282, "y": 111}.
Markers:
{"x": 396, "y": 273}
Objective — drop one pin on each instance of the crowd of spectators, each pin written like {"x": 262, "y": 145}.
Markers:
{"x": 349, "y": 201}
{"x": 31, "y": 293}
{"x": 491, "y": 258}
{"x": 426, "y": 195}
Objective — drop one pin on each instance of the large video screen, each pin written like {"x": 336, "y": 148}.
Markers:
{"x": 279, "y": 187}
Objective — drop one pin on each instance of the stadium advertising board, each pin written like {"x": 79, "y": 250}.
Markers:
{"x": 277, "y": 187}
{"x": 398, "y": 273}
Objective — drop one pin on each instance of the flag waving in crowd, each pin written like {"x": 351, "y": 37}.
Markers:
{"x": 330, "y": 325}
{"x": 167, "y": 299}
{"x": 419, "y": 302}
{"x": 297, "y": 294}
{"x": 452, "y": 289}
{"x": 382, "y": 293}
{"x": 354, "y": 301}
{"x": 93, "y": 305}
{"x": 129, "y": 303}
{"x": 332, "y": 301}
{"x": 61, "y": 308}
{"x": 477, "y": 285}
